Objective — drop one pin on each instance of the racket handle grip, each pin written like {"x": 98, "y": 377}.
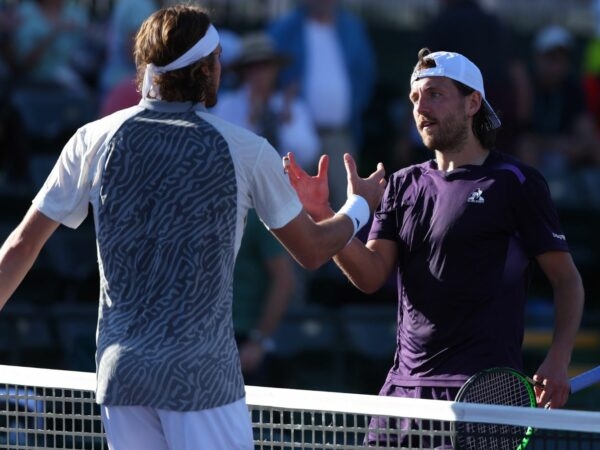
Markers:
{"x": 585, "y": 379}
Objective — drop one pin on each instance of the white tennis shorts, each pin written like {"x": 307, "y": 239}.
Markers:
{"x": 141, "y": 428}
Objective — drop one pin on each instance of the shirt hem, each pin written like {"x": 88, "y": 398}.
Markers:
{"x": 447, "y": 381}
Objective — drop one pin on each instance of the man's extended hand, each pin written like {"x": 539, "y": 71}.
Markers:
{"x": 313, "y": 191}
{"x": 371, "y": 188}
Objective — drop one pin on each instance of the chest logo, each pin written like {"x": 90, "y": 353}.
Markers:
{"x": 476, "y": 196}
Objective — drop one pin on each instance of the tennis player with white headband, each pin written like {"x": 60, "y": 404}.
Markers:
{"x": 170, "y": 186}
{"x": 204, "y": 47}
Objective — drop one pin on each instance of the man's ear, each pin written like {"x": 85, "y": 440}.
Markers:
{"x": 205, "y": 69}
{"x": 473, "y": 103}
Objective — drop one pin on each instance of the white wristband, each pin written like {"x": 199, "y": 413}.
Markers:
{"x": 357, "y": 208}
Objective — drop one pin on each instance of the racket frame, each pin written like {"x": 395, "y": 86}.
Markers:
{"x": 527, "y": 382}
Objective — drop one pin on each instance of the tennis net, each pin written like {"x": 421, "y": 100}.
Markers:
{"x": 43, "y": 408}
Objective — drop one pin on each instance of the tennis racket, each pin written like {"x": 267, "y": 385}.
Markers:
{"x": 504, "y": 386}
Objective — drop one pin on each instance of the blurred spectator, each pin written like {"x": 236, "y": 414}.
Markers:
{"x": 125, "y": 20}
{"x": 561, "y": 138}
{"x": 13, "y": 158}
{"x": 9, "y": 22}
{"x": 49, "y": 34}
{"x": 225, "y": 16}
{"x": 463, "y": 26}
{"x": 334, "y": 69}
{"x": 591, "y": 67}
{"x": 256, "y": 105}
{"x": 230, "y": 50}
{"x": 262, "y": 287}
{"x": 52, "y": 93}
{"x": 122, "y": 95}
{"x": 591, "y": 79}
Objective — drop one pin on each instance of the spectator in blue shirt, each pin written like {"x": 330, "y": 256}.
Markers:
{"x": 334, "y": 69}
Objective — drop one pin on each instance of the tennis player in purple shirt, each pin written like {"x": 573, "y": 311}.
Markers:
{"x": 461, "y": 231}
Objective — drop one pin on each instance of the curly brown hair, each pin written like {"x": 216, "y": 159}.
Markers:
{"x": 165, "y": 36}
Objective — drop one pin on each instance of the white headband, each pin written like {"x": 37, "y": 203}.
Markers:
{"x": 204, "y": 47}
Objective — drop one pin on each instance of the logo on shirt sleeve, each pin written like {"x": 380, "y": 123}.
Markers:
{"x": 476, "y": 196}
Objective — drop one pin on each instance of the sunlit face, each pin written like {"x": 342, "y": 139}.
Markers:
{"x": 440, "y": 113}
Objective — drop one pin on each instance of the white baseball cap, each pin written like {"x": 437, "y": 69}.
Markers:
{"x": 459, "y": 68}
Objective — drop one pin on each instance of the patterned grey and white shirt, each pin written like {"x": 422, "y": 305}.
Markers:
{"x": 170, "y": 186}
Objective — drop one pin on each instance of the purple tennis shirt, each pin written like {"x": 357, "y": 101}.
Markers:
{"x": 466, "y": 240}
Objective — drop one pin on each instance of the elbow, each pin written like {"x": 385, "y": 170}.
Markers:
{"x": 365, "y": 286}
{"x": 368, "y": 289}
{"x": 312, "y": 260}
{"x": 310, "y": 263}
{"x": 367, "y": 283}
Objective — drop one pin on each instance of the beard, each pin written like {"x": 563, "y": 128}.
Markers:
{"x": 448, "y": 135}
{"x": 211, "y": 97}
{"x": 211, "y": 87}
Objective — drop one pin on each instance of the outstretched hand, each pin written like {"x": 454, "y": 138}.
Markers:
{"x": 371, "y": 188}
{"x": 313, "y": 191}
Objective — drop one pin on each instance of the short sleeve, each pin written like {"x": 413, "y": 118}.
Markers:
{"x": 274, "y": 198}
{"x": 385, "y": 223}
{"x": 64, "y": 197}
{"x": 537, "y": 218}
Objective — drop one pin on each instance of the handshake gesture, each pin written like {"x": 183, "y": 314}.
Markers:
{"x": 313, "y": 191}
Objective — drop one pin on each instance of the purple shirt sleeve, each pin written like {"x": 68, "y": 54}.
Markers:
{"x": 384, "y": 224}
{"x": 537, "y": 219}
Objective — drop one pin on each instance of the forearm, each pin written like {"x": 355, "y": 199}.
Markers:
{"x": 366, "y": 268}
{"x": 312, "y": 244}
{"x": 16, "y": 260}
{"x": 332, "y": 236}
{"x": 553, "y": 372}
{"x": 362, "y": 266}
{"x": 20, "y": 250}
{"x": 568, "y": 309}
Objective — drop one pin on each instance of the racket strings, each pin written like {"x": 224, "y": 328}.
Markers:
{"x": 496, "y": 388}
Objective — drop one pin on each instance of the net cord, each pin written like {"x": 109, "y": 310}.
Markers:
{"x": 554, "y": 419}
{"x": 278, "y": 398}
